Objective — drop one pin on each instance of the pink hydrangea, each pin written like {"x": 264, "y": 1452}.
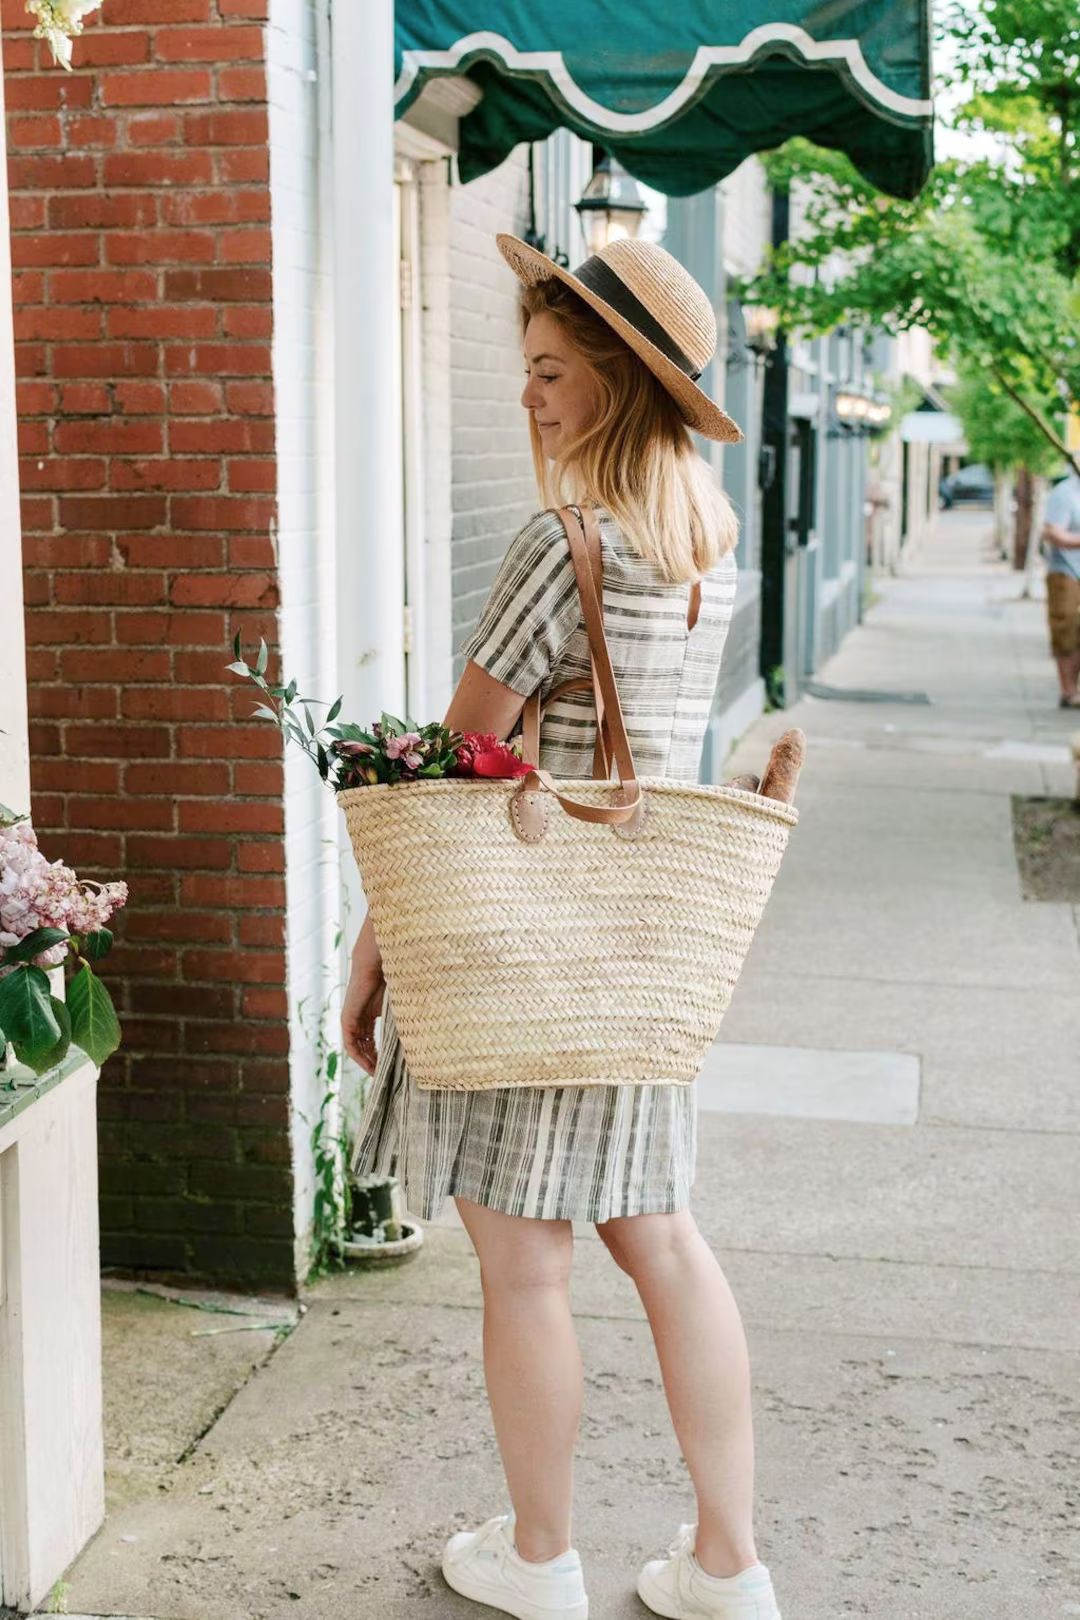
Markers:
{"x": 36, "y": 893}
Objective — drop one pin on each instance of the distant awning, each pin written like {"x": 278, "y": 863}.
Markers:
{"x": 681, "y": 91}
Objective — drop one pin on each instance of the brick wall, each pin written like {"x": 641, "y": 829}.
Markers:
{"x": 141, "y": 245}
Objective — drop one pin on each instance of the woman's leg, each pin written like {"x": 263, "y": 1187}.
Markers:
{"x": 532, "y": 1365}
{"x": 703, "y": 1358}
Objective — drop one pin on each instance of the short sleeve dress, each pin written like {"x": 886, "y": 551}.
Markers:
{"x": 584, "y": 1153}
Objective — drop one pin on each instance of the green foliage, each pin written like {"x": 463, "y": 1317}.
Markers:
{"x": 986, "y": 257}
{"x": 998, "y": 431}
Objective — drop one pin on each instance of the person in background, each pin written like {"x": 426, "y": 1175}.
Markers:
{"x": 1061, "y": 548}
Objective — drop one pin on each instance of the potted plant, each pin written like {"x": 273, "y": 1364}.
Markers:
{"x": 378, "y": 1230}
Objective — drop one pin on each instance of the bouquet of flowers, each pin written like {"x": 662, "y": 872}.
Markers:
{"x": 390, "y": 750}
{"x": 48, "y": 917}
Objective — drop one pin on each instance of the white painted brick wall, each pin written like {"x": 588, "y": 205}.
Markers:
{"x": 747, "y": 218}
{"x": 303, "y": 403}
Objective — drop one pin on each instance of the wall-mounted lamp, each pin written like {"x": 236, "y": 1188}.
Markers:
{"x": 761, "y": 325}
{"x": 611, "y": 207}
{"x": 860, "y": 413}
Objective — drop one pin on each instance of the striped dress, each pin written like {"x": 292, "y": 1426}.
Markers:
{"x": 566, "y": 1152}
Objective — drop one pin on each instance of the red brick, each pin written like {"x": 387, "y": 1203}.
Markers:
{"x": 66, "y": 702}
{"x": 248, "y": 126}
{"x": 195, "y": 927}
{"x": 30, "y": 359}
{"x": 262, "y": 741}
{"x": 36, "y": 512}
{"x": 157, "y": 168}
{"x": 199, "y": 889}
{"x": 253, "y": 589}
{"x": 160, "y": 247}
{"x": 132, "y": 210}
{"x": 110, "y": 588}
{"x": 250, "y": 246}
{"x": 120, "y": 742}
{"x": 245, "y": 321}
{"x": 41, "y": 132}
{"x": 89, "y": 130}
{"x": 218, "y": 359}
{"x": 196, "y": 398}
{"x": 109, "y": 49}
{"x": 218, "y": 286}
{"x": 28, "y": 287}
{"x": 248, "y": 967}
{"x": 194, "y": 853}
{"x": 44, "y": 739}
{"x": 27, "y": 213}
{"x": 142, "y": 813}
{"x": 244, "y": 8}
{"x": 172, "y": 551}
{"x": 59, "y": 473}
{"x": 155, "y": 12}
{"x": 107, "y": 435}
{"x": 154, "y": 87}
{"x": 250, "y": 398}
{"x": 251, "y": 550}
{"x": 238, "y": 816}
{"x": 86, "y": 850}
{"x": 253, "y": 857}
{"x": 102, "y": 286}
{"x": 113, "y": 512}
{"x": 49, "y": 321}
{"x": 221, "y": 437}
{"x": 47, "y": 90}
{"x": 66, "y": 628}
{"x": 114, "y": 664}
{"x": 139, "y": 398}
{"x": 95, "y": 777}
{"x": 154, "y": 129}
{"x": 77, "y": 397}
{"x": 186, "y": 628}
{"x": 221, "y": 512}
{"x": 59, "y": 171}
{"x": 208, "y": 45}
{"x": 252, "y": 477}
{"x": 37, "y": 398}
{"x": 194, "y": 668}
{"x": 167, "y": 472}
{"x": 51, "y": 248}
{"x": 104, "y": 359}
{"x": 174, "y": 703}
{"x": 33, "y": 437}
{"x": 258, "y": 928}
{"x": 178, "y": 778}
{"x": 259, "y": 778}
{"x": 66, "y": 550}
{"x": 242, "y": 84}
{"x": 216, "y": 207}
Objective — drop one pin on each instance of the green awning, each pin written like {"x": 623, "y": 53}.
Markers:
{"x": 681, "y": 91}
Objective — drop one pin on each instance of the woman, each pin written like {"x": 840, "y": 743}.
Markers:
{"x": 612, "y": 356}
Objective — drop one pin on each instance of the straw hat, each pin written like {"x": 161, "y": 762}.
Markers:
{"x": 656, "y": 307}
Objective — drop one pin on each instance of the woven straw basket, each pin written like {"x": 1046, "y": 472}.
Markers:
{"x": 526, "y": 947}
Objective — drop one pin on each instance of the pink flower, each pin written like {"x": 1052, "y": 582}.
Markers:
{"x": 36, "y": 893}
{"x": 406, "y": 743}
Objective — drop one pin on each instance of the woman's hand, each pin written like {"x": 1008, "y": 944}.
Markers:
{"x": 363, "y": 1000}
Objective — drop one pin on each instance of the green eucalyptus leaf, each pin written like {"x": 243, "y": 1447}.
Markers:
{"x": 94, "y": 1024}
{"x": 239, "y": 669}
{"x": 334, "y": 710}
{"x": 261, "y": 661}
{"x": 236, "y": 644}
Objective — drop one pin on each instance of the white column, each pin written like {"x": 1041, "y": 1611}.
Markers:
{"x": 367, "y": 437}
{"x": 14, "y": 749}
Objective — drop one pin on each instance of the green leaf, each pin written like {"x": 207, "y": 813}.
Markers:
{"x": 98, "y": 943}
{"x": 261, "y": 661}
{"x": 236, "y": 645}
{"x": 323, "y": 760}
{"x": 291, "y": 692}
{"x": 265, "y": 710}
{"x": 310, "y": 721}
{"x": 390, "y": 723}
{"x": 94, "y": 1024}
{"x": 334, "y": 710}
{"x": 34, "y": 944}
{"x": 40, "y": 1062}
{"x": 238, "y": 669}
{"x": 26, "y": 1013}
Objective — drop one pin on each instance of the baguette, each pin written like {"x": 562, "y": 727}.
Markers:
{"x": 785, "y": 762}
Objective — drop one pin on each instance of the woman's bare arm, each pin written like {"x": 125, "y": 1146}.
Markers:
{"x": 481, "y": 703}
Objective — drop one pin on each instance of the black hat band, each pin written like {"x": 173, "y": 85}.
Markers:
{"x": 600, "y": 279}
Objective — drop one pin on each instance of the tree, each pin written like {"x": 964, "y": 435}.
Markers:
{"x": 987, "y": 257}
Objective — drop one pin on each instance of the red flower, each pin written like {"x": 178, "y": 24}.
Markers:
{"x": 499, "y": 761}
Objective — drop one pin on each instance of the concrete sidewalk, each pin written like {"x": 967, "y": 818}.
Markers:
{"x": 887, "y": 1169}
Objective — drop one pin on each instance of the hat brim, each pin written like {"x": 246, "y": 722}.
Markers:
{"x": 698, "y": 411}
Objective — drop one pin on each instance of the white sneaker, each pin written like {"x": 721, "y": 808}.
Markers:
{"x": 678, "y": 1588}
{"x": 485, "y": 1565}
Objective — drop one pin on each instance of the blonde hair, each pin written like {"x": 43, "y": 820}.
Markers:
{"x": 637, "y": 458}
